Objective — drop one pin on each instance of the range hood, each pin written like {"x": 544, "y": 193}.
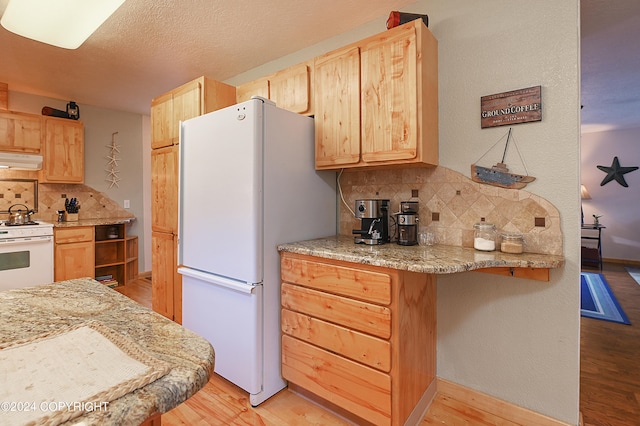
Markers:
{"x": 12, "y": 160}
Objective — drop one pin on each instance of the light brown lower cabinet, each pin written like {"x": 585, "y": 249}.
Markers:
{"x": 166, "y": 294}
{"x": 95, "y": 251}
{"x": 362, "y": 338}
{"x": 74, "y": 253}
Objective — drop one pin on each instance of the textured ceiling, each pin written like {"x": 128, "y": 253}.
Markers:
{"x": 151, "y": 46}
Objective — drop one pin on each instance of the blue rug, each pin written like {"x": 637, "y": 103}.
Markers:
{"x": 597, "y": 300}
{"x": 634, "y": 272}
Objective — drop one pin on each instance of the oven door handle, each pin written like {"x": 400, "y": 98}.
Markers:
{"x": 26, "y": 240}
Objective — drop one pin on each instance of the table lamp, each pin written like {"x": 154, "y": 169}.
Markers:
{"x": 584, "y": 195}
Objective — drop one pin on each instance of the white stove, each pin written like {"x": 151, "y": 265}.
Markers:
{"x": 28, "y": 229}
{"x": 26, "y": 254}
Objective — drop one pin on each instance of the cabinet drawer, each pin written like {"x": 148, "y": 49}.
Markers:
{"x": 357, "y": 346}
{"x": 73, "y": 235}
{"x": 365, "y": 285}
{"x": 358, "y": 389}
{"x": 355, "y": 314}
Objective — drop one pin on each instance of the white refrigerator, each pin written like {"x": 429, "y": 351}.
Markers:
{"x": 247, "y": 184}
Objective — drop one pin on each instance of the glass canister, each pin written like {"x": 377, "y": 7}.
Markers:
{"x": 511, "y": 243}
{"x": 484, "y": 236}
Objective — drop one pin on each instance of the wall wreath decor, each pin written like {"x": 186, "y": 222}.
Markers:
{"x": 616, "y": 172}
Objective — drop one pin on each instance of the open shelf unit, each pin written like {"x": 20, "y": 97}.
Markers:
{"x": 116, "y": 254}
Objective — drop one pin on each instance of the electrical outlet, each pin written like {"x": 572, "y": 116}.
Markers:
{"x": 127, "y": 204}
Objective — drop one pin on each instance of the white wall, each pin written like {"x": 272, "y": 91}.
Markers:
{"x": 511, "y": 338}
{"x": 515, "y": 339}
{"x": 146, "y": 189}
{"x": 618, "y": 205}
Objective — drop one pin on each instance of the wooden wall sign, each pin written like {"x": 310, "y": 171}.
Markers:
{"x": 507, "y": 108}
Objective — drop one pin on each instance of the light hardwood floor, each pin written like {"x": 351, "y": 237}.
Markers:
{"x": 609, "y": 394}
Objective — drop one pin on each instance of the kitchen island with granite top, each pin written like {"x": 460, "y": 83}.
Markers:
{"x": 184, "y": 360}
{"x": 359, "y": 322}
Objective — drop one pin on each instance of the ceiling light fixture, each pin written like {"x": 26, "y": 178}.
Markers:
{"x": 62, "y": 23}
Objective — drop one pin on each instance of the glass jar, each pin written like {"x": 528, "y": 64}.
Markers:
{"x": 511, "y": 243}
{"x": 484, "y": 236}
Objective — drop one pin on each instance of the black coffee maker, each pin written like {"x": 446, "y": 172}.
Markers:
{"x": 374, "y": 221}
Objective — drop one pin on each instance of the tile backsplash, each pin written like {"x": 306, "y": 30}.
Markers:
{"x": 451, "y": 203}
{"x": 18, "y": 193}
{"x": 93, "y": 204}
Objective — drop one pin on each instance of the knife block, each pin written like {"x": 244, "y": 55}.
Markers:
{"x": 71, "y": 217}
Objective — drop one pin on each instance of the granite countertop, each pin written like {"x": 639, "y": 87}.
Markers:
{"x": 94, "y": 222}
{"x": 435, "y": 259}
{"x": 32, "y": 311}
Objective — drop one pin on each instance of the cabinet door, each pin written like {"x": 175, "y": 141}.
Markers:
{"x": 20, "y": 132}
{"x": 74, "y": 260}
{"x": 163, "y": 265}
{"x": 63, "y": 151}
{"x": 4, "y": 96}
{"x": 389, "y": 96}
{"x": 290, "y": 89}
{"x": 337, "y": 108}
{"x": 259, "y": 87}
{"x": 169, "y": 109}
{"x": 177, "y": 284}
{"x": 162, "y": 121}
{"x": 187, "y": 103}
{"x": 164, "y": 189}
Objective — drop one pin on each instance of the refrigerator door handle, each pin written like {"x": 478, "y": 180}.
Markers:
{"x": 217, "y": 280}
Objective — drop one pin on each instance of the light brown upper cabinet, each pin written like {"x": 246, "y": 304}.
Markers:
{"x": 162, "y": 126}
{"x": 259, "y": 87}
{"x": 20, "y": 132}
{"x": 337, "y": 106}
{"x": 63, "y": 151}
{"x": 190, "y": 100}
{"x": 289, "y": 88}
{"x": 395, "y": 119}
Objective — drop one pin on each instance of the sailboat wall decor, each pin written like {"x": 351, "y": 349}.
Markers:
{"x": 499, "y": 174}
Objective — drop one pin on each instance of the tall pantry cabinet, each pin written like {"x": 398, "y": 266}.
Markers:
{"x": 192, "y": 99}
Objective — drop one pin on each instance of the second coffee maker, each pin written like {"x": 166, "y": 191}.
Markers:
{"x": 407, "y": 223}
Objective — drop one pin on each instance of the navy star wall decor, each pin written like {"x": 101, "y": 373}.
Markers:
{"x": 616, "y": 172}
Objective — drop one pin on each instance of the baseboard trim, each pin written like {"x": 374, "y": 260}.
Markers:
{"x": 495, "y": 406}
{"x": 622, "y": 261}
{"x": 421, "y": 408}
